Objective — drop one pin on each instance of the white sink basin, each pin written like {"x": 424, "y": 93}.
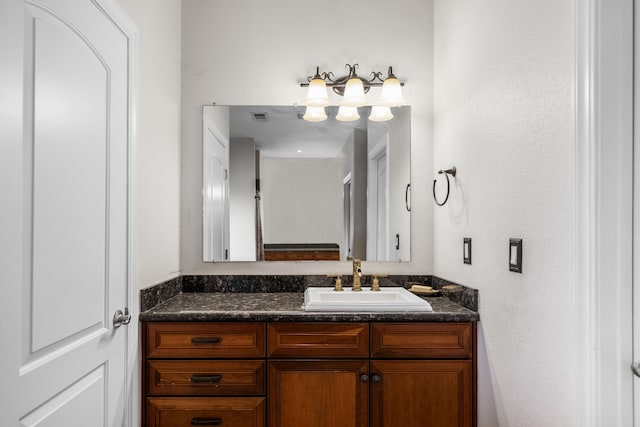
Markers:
{"x": 388, "y": 299}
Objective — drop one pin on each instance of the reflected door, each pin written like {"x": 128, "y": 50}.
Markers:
{"x": 381, "y": 209}
{"x": 377, "y": 202}
{"x": 216, "y": 194}
{"x": 348, "y": 217}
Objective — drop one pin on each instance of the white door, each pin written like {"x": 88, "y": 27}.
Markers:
{"x": 216, "y": 194}
{"x": 636, "y": 223}
{"x": 377, "y": 206}
{"x": 66, "y": 217}
{"x": 347, "y": 215}
{"x": 636, "y": 250}
{"x": 381, "y": 209}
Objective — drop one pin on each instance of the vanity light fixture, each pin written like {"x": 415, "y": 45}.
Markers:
{"x": 347, "y": 114}
{"x": 353, "y": 91}
{"x": 353, "y": 88}
{"x": 317, "y": 92}
{"x": 380, "y": 113}
{"x": 315, "y": 114}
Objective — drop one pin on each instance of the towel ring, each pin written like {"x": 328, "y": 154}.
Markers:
{"x": 446, "y": 173}
{"x": 407, "y": 198}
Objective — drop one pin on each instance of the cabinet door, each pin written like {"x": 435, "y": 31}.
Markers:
{"x": 409, "y": 393}
{"x": 328, "y": 393}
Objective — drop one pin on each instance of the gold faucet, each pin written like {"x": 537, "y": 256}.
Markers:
{"x": 357, "y": 273}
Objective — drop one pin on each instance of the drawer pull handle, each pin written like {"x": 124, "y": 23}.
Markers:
{"x": 205, "y": 340}
{"x": 209, "y": 378}
{"x": 206, "y": 421}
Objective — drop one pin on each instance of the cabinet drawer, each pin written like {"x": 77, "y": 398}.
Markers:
{"x": 204, "y": 377}
{"x": 205, "y": 340}
{"x": 199, "y": 411}
{"x": 423, "y": 340}
{"x": 318, "y": 339}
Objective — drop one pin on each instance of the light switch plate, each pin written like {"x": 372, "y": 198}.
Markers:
{"x": 515, "y": 255}
{"x": 466, "y": 250}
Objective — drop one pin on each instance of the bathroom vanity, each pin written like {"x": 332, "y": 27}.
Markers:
{"x": 254, "y": 360}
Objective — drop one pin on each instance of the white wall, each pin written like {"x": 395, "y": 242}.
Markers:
{"x": 505, "y": 117}
{"x": 302, "y": 209}
{"x": 253, "y": 52}
{"x": 158, "y": 137}
{"x": 219, "y": 116}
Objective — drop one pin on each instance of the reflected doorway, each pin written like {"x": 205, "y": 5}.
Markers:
{"x": 347, "y": 216}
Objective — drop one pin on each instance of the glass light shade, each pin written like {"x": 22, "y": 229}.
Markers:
{"x": 354, "y": 93}
{"x": 391, "y": 95}
{"x": 347, "y": 114}
{"x": 317, "y": 94}
{"x": 380, "y": 113}
{"x": 315, "y": 114}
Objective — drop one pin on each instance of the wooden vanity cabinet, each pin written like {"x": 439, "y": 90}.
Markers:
{"x": 318, "y": 374}
{"x": 295, "y": 374}
{"x": 413, "y": 374}
{"x": 204, "y": 374}
{"x": 423, "y": 374}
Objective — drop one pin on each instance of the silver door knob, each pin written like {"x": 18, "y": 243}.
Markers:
{"x": 120, "y": 318}
{"x": 635, "y": 367}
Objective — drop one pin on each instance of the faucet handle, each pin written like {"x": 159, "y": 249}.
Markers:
{"x": 375, "y": 285}
{"x": 338, "y": 286}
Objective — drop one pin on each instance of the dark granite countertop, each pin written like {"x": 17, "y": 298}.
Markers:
{"x": 286, "y": 306}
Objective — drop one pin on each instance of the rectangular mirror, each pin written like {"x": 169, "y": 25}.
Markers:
{"x": 277, "y": 187}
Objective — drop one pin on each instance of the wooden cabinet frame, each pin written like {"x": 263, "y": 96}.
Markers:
{"x": 378, "y": 374}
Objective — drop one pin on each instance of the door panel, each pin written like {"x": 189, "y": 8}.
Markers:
{"x": 68, "y": 213}
{"x": 80, "y": 404}
{"x": 381, "y": 209}
{"x": 318, "y": 393}
{"x": 74, "y": 257}
{"x": 216, "y": 194}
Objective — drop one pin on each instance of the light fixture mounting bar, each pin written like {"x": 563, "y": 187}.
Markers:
{"x": 338, "y": 84}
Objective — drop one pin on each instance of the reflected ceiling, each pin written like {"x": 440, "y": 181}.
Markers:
{"x": 280, "y": 131}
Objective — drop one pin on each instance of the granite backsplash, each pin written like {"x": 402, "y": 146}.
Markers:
{"x": 150, "y": 297}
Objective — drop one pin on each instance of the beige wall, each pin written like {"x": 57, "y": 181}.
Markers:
{"x": 158, "y": 137}
{"x": 248, "y": 52}
{"x": 504, "y": 117}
